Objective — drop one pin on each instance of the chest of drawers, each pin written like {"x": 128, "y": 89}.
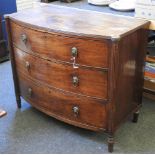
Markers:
{"x": 84, "y": 68}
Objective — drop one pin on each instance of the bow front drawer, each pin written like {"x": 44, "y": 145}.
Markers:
{"x": 86, "y": 51}
{"x": 67, "y": 107}
{"x": 63, "y": 76}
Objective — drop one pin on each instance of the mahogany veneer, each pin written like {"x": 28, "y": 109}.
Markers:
{"x": 61, "y": 46}
{"x": 61, "y": 75}
{"x": 82, "y": 67}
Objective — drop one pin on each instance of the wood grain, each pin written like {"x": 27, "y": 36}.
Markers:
{"x": 61, "y": 75}
{"x": 59, "y": 104}
{"x": 79, "y": 22}
{"x": 59, "y": 47}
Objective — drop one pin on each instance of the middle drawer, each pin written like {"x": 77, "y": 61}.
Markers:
{"x": 83, "y": 81}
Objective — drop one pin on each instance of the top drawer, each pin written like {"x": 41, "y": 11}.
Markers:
{"x": 51, "y": 46}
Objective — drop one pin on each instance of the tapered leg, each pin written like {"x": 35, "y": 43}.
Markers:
{"x": 110, "y": 143}
{"x": 13, "y": 63}
{"x": 135, "y": 117}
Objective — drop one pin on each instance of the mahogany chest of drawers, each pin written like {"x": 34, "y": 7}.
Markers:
{"x": 81, "y": 67}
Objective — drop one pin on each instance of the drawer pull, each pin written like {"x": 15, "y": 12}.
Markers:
{"x": 27, "y": 65}
{"x": 24, "y": 38}
{"x": 76, "y": 110}
{"x": 75, "y": 81}
{"x": 75, "y": 66}
{"x": 74, "y": 52}
{"x": 29, "y": 92}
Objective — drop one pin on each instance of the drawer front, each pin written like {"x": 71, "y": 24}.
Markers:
{"x": 79, "y": 111}
{"x": 63, "y": 76}
{"x": 51, "y": 46}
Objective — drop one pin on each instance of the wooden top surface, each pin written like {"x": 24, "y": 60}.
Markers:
{"x": 78, "y": 22}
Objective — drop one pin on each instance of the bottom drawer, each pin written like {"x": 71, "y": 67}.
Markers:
{"x": 76, "y": 110}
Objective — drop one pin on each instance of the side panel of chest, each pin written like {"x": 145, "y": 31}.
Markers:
{"x": 127, "y": 75}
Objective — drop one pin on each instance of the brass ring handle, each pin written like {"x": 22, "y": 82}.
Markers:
{"x": 76, "y": 110}
{"x": 24, "y": 38}
{"x": 29, "y": 92}
{"x": 74, "y": 52}
{"x": 75, "y": 81}
{"x": 27, "y": 65}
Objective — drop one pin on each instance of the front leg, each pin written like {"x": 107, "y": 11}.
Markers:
{"x": 135, "y": 116}
{"x": 111, "y": 143}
